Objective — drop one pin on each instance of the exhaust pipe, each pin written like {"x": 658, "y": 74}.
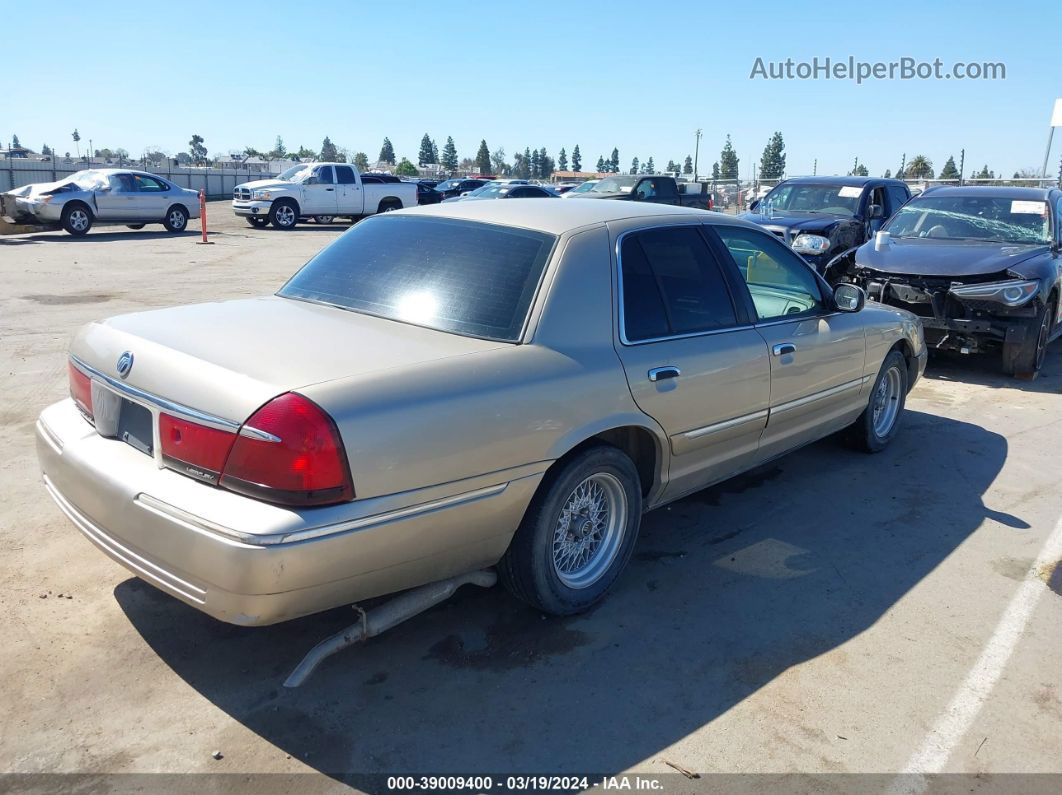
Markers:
{"x": 382, "y": 618}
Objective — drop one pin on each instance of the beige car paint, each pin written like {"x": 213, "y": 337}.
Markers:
{"x": 447, "y": 437}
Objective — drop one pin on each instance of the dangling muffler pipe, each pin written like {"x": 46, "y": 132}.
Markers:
{"x": 387, "y": 615}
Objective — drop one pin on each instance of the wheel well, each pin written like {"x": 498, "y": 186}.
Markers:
{"x": 904, "y": 347}
{"x": 181, "y": 205}
{"x": 388, "y": 200}
{"x": 78, "y": 203}
{"x": 287, "y": 200}
{"x": 638, "y": 443}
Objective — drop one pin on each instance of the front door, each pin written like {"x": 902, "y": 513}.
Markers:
{"x": 153, "y": 197}
{"x": 816, "y": 354}
{"x": 117, "y": 199}
{"x": 348, "y": 193}
{"x": 319, "y": 193}
{"x": 693, "y": 360}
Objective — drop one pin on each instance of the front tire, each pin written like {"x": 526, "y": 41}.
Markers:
{"x": 283, "y": 214}
{"x": 76, "y": 219}
{"x": 577, "y": 535}
{"x": 880, "y": 420}
{"x": 1025, "y": 359}
{"x": 257, "y": 221}
{"x": 176, "y": 219}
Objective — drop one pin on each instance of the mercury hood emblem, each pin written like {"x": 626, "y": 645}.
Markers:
{"x": 125, "y": 364}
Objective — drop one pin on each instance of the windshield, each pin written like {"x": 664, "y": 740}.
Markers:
{"x": 459, "y": 276}
{"x": 295, "y": 173}
{"x": 812, "y": 198}
{"x": 986, "y": 218}
{"x": 449, "y": 184}
{"x": 491, "y": 191}
{"x": 88, "y": 180}
{"x": 583, "y": 188}
{"x": 615, "y": 185}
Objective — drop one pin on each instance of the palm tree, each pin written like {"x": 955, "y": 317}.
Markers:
{"x": 919, "y": 167}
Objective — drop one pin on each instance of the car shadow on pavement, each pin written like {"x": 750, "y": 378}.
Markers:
{"x": 103, "y": 237}
{"x": 727, "y": 590}
{"x": 985, "y": 370}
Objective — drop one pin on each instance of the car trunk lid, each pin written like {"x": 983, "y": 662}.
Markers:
{"x": 228, "y": 358}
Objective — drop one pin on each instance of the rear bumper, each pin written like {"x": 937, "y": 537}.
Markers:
{"x": 250, "y": 563}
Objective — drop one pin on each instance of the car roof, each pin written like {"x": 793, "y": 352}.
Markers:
{"x": 559, "y": 217}
{"x": 857, "y": 182}
{"x": 997, "y": 191}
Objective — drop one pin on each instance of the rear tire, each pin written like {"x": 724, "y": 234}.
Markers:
{"x": 389, "y": 206}
{"x": 176, "y": 219}
{"x": 283, "y": 214}
{"x": 135, "y": 226}
{"x": 880, "y": 420}
{"x": 76, "y": 219}
{"x": 577, "y": 535}
{"x": 1026, "y": 358}
{"x": 324, "y": 220}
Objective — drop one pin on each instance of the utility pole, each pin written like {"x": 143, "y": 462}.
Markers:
{"x": 815, "y": 167}
{"x": 696, "y": 152}
{"x": 962, "y": 165}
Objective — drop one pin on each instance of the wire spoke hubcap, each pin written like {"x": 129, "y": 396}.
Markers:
{"x": 886, "y": 401}
{"x": 590, "y": 530}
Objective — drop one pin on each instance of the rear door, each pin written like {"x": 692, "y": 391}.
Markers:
{"x": 693, "y": 359}
{"x": 319, "y": 195}
{"x": 349, "y": 195}
{"x": 817, "y": 354}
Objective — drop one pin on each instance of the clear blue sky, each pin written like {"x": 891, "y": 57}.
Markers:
{"x": 599, "y": 74}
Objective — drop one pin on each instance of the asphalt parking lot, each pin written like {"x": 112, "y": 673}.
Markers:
{"x": 830, "y": 613}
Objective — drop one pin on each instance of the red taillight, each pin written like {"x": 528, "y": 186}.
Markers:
{"x": 289, "y": 452}
{"x": 80, "y": 389}
{"x": 194, "y": 449}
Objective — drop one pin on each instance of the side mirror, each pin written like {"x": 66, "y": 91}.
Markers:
{"x": 849, "y": 297}
{"x": 754, "y": 205}
{"x": 875, "y": 211}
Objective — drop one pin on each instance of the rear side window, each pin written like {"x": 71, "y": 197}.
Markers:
{"x": 459, "y": 276}
{"x": 672, "y": 285}
{"x": 345, "y": 175}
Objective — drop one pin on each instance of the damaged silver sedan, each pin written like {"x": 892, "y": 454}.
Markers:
{"x": 102, "y": 196}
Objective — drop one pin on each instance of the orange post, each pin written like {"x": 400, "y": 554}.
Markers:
{"x": 203, "y": 219}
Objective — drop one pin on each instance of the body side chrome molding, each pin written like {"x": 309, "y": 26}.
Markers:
{"x": 697, "y": 433}
{"x": 172, "y": 513}
{"x": 825, "y": 393}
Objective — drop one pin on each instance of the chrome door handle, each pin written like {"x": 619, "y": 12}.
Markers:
{"x": 662, "y": 373}
{"x": 329, "y": 188}
{"x": 782, "y": 348}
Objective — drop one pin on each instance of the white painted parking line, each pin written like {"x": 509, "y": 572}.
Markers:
{"x": 942, "y": 739}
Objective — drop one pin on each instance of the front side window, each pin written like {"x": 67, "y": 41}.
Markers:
{"x": 324, "y": 175}
{"x": 781, "y": 284}
{"x": 146, "y": 184}
{"x": 672, "y": 285}
{"x": 463, "y": 277}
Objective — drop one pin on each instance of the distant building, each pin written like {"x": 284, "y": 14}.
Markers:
{"x": 16, "y": 152}
{"x": 577, "y": 176}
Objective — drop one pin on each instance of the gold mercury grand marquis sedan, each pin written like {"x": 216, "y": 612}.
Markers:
{"x": 449, "y": 388}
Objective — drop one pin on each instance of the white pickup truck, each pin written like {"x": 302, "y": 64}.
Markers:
{"x": 321, "y": 191}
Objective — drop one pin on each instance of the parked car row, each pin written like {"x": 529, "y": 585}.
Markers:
{"x": 980, "y": 265}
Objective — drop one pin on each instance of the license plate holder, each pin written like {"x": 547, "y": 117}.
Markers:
{"x": 136, "y": 427}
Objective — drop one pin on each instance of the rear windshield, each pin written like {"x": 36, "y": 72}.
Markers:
{"x": 460, "y": 276}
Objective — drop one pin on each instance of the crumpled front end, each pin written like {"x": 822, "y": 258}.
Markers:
{"x": 967, "y": 314}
